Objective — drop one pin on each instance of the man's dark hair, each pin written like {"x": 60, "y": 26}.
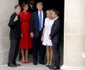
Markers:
{"x": 56, "y": 12}
{"x": 30, "y": 0}
{"x": 17, "y": 6}
{"x": 40, "y": 2}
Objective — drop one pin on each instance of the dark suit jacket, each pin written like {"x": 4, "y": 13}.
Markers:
{"x": 32, "y": 9}
{"x": 55, "y": 31}
{"x": 35, "y": 24}
{"x": 15, "y": 30}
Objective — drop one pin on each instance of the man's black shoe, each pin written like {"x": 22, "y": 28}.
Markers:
{"x": 51, "y": 67}
{"x": 16, "y": 64}
{"x": 11, "y": 65}
{"x": 35, "y": 63}
{"x": 47, "y": 65}
{"x": 54, "y": 68}
{"x": 42, "y": 63}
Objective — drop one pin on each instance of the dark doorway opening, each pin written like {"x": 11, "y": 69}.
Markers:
{"x": 58, "y": 5}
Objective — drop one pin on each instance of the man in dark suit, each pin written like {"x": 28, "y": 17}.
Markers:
{"x": 54, "y": 36}
{"x": 32, "y": 7}
{"x": 15, "y": 35}
{"x": 37, "y": 22}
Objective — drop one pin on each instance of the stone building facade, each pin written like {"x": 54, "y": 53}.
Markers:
{"x": 74, "y": 32}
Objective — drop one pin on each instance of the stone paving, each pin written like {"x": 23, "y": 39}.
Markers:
{"x": 30, "y": 66}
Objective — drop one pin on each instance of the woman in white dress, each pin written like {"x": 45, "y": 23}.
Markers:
{"x": 45, "y": 37}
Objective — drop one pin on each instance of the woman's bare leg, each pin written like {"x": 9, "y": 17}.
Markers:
{"x": 51, "y": 55}
{"x": 26, "y": 55}
{"x": 47, "y": 50}
{"x": 23, "y": 57}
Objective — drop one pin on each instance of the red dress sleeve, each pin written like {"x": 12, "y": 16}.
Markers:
{"x": 29, "y": 15}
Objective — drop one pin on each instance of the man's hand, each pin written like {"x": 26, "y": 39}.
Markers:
{"x": 16, "y": 18}
{"x": 32, "y": 35}
{"x": 49, "y": 38}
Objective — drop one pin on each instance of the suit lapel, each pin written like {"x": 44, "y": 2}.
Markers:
{"x": 37, "y": 16}
{"x": 37, "y": 19}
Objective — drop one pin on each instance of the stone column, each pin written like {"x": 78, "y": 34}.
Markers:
{"x": 74, "y": 34}
{"x": 6, "y": 9}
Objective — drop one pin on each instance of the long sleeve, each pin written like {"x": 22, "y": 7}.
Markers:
{"x": 29, "y": 19}
{"x": 55, "y": 29}
{"x": 31, "y": 23}
{"x": 11, "y": 22}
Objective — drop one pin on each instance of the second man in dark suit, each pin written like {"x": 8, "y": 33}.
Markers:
{"x": 15, "y": 35}
{"x": 37, "y": 22}
{"x": 32, "y": 7}
{"x": 54, "y": 36}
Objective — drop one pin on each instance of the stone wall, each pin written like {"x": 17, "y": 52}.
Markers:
{"x": 6, "y": 9}
{"x": 74, "y": 33}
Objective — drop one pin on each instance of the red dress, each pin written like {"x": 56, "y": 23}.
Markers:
{"x": 26, "y": 40}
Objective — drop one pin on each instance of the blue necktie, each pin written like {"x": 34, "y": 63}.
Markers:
{"x": 40, "y": 21}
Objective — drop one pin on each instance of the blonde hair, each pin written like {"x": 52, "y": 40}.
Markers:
{"x": 50, "y": 12}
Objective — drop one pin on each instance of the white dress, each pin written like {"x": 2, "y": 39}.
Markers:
{"x": 48, "y": 25}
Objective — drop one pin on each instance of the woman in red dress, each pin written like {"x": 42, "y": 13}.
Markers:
{"x": 26, "y": 41}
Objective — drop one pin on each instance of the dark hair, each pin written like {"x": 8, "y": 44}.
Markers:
{"x": 31, "y": 0}
{"x": 25, "y": 3}
{"x": 56, "y": 12}
{"x": 40, "y": 2}
{"x": 17, "y": 6}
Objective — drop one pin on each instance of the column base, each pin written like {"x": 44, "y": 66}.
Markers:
{"x": 65, "y": 67}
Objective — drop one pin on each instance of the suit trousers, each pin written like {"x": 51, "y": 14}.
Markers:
{"x": 13, "y": 51}
{"x": 56, "y": 54}
{"x": 38, "y": 48}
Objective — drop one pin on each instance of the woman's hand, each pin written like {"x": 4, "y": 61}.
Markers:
{"x": 42, "y": 38}
{"x": 49, "y": 38}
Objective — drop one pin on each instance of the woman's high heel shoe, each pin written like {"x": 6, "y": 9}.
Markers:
{"x": 26, "y": 61}
{"x": 23, "y": 60}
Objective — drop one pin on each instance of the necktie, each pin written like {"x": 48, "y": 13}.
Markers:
{"x": 40, "y": 21}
